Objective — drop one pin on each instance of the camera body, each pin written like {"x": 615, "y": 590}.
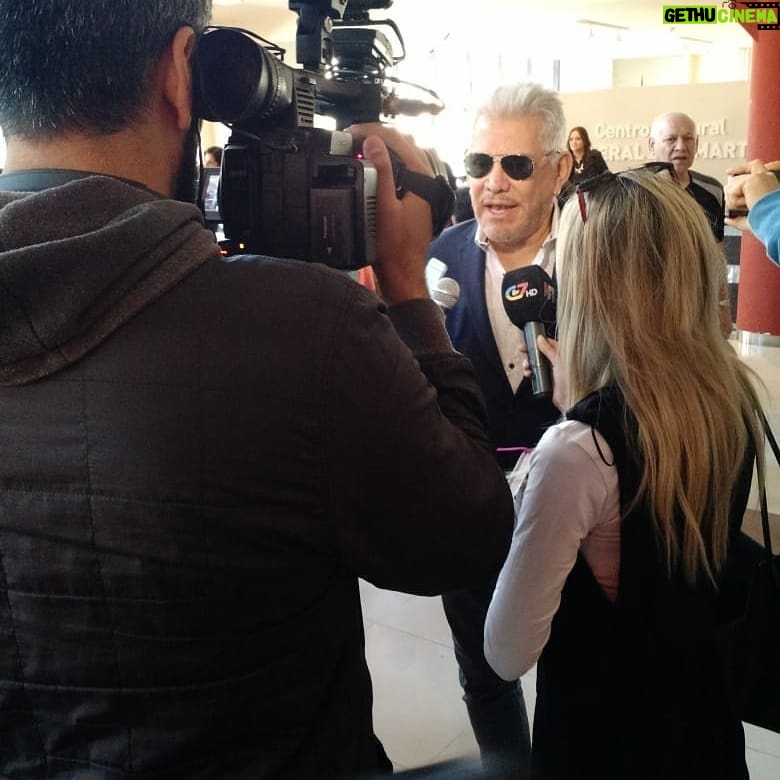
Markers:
{"x": 288, "y": 188}
{"x": 301, "y": 194}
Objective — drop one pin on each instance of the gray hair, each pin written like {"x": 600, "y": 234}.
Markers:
{"x": 515, "y": 101}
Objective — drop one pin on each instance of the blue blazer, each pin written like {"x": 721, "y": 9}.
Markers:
{"x": 514, "y": 419}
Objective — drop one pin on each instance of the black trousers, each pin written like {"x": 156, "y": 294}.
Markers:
{"x": 496, "y": 707}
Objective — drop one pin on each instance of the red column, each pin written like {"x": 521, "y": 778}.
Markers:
{"x": 758, "y": 304}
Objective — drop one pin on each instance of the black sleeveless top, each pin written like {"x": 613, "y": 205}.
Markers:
{"x": 633, "y": 689}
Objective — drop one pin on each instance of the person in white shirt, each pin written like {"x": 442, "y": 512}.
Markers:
{"x": 518, "y": 169}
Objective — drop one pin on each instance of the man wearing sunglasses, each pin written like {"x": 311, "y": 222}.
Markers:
{"x": 673, "y": 139}
{"x": 517, "y": 168}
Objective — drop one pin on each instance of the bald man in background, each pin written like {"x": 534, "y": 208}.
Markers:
{"x": 673, "y": 139}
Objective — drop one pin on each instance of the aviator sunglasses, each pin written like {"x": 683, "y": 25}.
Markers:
{"x": 589, "y": 185}
{"x": 516, "y": 166}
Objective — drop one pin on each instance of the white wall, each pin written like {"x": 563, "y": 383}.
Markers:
{"x": 708, "y": 82}
{"x": 724, "y": 65}
{"x": 618, "y": 121}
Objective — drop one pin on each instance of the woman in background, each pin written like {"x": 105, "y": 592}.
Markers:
{"x": 588, "y": 161}
{"x": 632, "y": 505}
{"x": 212, "y": 157}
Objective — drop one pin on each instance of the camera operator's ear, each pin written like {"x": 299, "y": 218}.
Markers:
{"x": 178, "y": 78}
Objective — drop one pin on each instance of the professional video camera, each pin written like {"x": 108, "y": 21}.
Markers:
{"x": 287, "y": 188}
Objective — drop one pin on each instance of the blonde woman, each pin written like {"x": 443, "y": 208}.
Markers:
{"x": 633, "y": 503}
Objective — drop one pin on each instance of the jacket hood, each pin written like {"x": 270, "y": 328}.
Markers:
{"x": 80, "y": 259}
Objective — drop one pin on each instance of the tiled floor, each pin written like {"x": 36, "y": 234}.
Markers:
{"x": 418, "y": 712}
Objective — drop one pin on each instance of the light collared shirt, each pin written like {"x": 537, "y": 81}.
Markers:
{"x": 508, "y": 337}
{"x": 569, "y": 502}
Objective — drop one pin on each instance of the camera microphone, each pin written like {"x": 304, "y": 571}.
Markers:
{"x": 529, "y": 301}
{"x": 446, "y": 293}
{"x": 393, "y": 106}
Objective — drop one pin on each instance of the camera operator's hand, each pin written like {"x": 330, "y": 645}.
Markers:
{"x": 747, "y": 183}
{"x": 403, "y": 225}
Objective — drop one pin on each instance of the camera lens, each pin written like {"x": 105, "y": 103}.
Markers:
{"x": 237, "y": 79}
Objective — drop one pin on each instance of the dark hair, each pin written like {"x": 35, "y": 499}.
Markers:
{"x": 83, "y": 64}
{"x": 585, "y": 140}
{"x": 215, "y": 152}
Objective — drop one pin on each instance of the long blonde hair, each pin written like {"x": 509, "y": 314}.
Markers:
{"x": 639, "y": 290}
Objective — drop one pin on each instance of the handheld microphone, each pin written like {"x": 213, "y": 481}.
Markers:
{"x": 393, "y": 105}
{"x": 446, "y": 293}
{"x": 434, "y": 270}
{"x": 529, "y": 301}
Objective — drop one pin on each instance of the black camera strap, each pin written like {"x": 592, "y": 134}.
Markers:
{"x": 436, "y": 191}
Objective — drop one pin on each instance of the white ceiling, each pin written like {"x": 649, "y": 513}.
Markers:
{"x": 551, "y": 27}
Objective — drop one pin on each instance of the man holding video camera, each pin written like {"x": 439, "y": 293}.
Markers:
{"x": 199, "y": 457}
